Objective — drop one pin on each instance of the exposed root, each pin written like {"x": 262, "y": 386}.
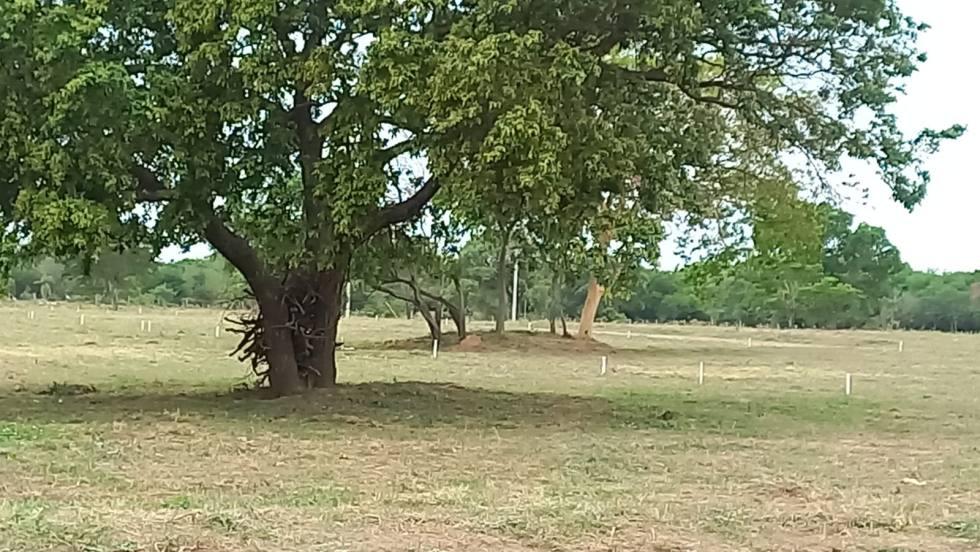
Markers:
{"x": 304, "y": 304}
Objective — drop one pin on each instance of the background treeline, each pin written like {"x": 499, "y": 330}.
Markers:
{"x": 835, "y": 274}
{"x": 128, "y": 277}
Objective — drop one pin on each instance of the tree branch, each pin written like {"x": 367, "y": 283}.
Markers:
{"x": 403, "y": 210}
{"x": 427, "y": 294}
{"x": 149, "y": 188}
{"x": 230, "y": 245}
{"x": 237, "y": 250}
{"x": 394, "y": 294}
{"x": 658, "y": 75}
{"x": 394, "y": 151}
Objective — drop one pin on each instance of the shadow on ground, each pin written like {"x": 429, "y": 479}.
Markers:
{"x": 422, "y": 405}
{"x": 513, "y": 341}
{"x": 544, "y": 344}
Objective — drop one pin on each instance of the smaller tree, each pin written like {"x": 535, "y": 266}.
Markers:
{"x": 420, "y": 264}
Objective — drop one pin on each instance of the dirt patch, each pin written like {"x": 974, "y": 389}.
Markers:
{"x": 470, "y": 344}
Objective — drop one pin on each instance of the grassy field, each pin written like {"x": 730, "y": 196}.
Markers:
{"x": 521, "y": 447}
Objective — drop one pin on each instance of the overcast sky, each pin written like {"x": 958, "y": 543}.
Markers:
{"x": 943, "y": 233}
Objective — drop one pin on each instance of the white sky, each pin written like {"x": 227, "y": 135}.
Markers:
{"x": 942, "y": 233}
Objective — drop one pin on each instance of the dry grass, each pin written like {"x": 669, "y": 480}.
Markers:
{"x": 519, "y": 447}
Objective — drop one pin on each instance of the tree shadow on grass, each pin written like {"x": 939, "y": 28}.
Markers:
{"x": 491, "y": 342}
{"x": 435, "y": 405}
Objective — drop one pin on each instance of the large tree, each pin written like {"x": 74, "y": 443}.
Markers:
{"x": 271, "y": 130}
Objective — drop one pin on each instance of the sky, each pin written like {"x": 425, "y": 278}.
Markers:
{"x": 941, "y": 234}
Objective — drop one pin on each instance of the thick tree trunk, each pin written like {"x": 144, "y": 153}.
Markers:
{"x": 330, "y": 287}
{"x": 270, "y": 294}
{"x": 590, "y": 309}
{"x": 283, "y": 370}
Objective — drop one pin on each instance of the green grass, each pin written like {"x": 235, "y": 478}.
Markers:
{"x": 12, "y": 433}
{"x": 113, "y": 440}
{"x": 968, "y": 529}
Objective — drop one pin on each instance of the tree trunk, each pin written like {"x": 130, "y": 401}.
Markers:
{"x": 459, "y": 320}
{"x": 437, "y": 315}
{"x": 564, "y": 327}
{"x": 503, "y": 278}
{"x": 270, "y": 294}
{"x": 459, "y": 313}
{"x": 554, "y": 301}
{"x": 431, "y": 317}
{"x": 590, "y": 309}
{"x": 330, "y": 287}
{"x": 283, "y": 370}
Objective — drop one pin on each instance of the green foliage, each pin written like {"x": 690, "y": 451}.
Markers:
{"x": 809, "y": 265}
{"x": 831, "y": 303}
{"x": 282, "y": 120}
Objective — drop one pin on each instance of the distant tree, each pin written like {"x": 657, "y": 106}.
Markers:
{"x": 938, "y": 301}
{"x": 660, "y": 297}
{"x": 861, "y": 257}
{"x": 114, "y": 269}
{"x": 830, "y": 303}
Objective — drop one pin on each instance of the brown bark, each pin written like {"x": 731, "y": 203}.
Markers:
{"x": 594, "y": 297}
{"x": 503, "y": 277}
{"x": 270, "y": 295}
{"x": 459, "y": 313}
{"x": 283, "y": 371}
{"x": 590, "y": 309}
{"x": 330, "y": 286}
